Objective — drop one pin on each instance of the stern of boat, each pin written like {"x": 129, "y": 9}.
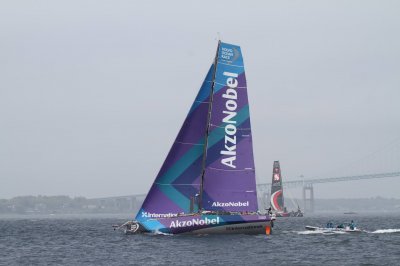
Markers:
{"x": 131, "y": 228}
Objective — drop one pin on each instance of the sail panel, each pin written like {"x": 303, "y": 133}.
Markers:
{"x": 178, "y": 180}
{"x": 229, "y": 180}
{"x": 277, "y": 202}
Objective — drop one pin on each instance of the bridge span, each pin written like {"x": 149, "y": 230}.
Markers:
{"x": 133, "y": 202}
{"x": 303, "y": 182}
{"x": 308, "y": 189}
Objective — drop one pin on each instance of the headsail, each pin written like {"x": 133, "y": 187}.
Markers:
{"x": 178, "y": 181}
{"x": 277, "y": 202}
{"x": 229, "y": 179}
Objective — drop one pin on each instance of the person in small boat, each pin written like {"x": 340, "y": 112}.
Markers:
{"x": 340, "y": 226}
{"x": 352, "y": 225}
{"x": 329, "y": 225}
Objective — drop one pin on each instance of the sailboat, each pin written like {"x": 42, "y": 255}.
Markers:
{"x": 207, "y": 183}
{"x": 277, "y": 200}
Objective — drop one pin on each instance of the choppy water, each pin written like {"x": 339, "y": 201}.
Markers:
{"x": 92, "y": 241}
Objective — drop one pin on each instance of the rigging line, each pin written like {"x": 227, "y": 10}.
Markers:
{"x": 235, "y": 191}
{"x": 189, "y": 143}
{"x": 236, "y": 170}
{"x": 226, "y": 85}
{"x": 292, "y": 199}
{"x": 230, "y": 65}
{"x": 166, "y": 184}
{"x": 237, "y": 128}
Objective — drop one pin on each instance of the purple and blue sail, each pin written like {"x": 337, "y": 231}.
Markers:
{"x": 211, "y": 161}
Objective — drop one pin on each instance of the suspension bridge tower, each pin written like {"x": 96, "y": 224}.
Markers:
{"x": 308, "y": 198}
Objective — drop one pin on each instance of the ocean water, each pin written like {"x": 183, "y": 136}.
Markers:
{"x": 91, "y": 240}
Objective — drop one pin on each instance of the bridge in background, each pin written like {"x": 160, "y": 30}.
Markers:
{"x": 308, "y": 186}
{"x": 383, "y": 163}
{"x": 133, "y": 202}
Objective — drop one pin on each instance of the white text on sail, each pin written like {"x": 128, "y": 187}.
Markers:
{"x": 229, "y": 120}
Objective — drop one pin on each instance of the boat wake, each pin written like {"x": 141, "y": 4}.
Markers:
{"x": 325, "y": 232}
{"x": 158, "y": 233}
{"x": 319, "y": 232}
{"x": 385, "y": 231}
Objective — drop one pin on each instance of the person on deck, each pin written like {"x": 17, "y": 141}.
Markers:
{"x": 352, "y": 225}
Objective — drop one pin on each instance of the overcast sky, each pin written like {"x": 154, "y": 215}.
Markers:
{"x": 93, "y": 93}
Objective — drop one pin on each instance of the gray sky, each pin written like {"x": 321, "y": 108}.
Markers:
{"x": 93, "y": 93}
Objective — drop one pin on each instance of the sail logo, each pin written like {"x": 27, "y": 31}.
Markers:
{"x": 158, "y": 215}
{"x": 227, "y": 53}
{"x": 206, "y": 221}
{"x": 230, "y": 204}
{"x": 230, "y": 113}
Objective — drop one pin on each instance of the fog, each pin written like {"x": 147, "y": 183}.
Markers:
{"x": 93, "y": 93}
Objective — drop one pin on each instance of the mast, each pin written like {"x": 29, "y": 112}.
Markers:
{"x": 283, "y": 198}
{"x": 200, "y": 203}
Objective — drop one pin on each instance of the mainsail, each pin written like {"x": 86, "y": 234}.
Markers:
{"x": 210, "y": 165}
{"x": 277, "y": 202}
{"x": 229, "y": 179}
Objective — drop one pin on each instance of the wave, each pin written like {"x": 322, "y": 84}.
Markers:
{"x": 386, "y": 231}
{"x": 316, "y": 232}
{"x": 159, "y": 233}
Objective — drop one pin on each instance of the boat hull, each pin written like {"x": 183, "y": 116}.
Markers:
{"x": 289, "y": 214}
{"x": 208, "y": 224}
{"x": 329, "y": 230}
{"x": 251, "y": 228}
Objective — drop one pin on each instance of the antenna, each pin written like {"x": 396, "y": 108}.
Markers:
{"x": 218, "y": 36}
